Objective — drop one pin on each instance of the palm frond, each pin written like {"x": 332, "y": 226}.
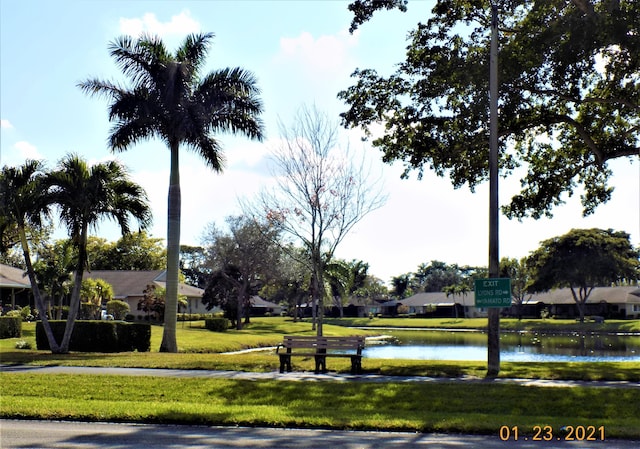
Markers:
{"x": 99, "y": 87}
{"x": 125, "y": 133}
{"x": 209, "y": 150}
{"x": 140, "y": 59}
{"x": 193, "y": 52}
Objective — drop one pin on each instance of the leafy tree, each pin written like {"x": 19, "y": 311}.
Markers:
{"x": 436, "y": 275}
{"x": 338, "y": 282}
{"x": 291, "y": 283}
{"x": 222, "y": 291}
{"x": 245, "y": 257}
{"x": 134, "y": 251}
{"x": 193, "y": 265}
{"x": 54, "y": 269}
{"x": 84, "y": 196}
{"x": 152, "y": 301}
{"x": 93, "y": 293}
{"x": 372, "y": 288}
{"x": 401, "y": 286}
{"x": 581, "y": 260}
{"x": 170, "y": 99}
{"x": 569, "y": 96}
{"x": 320, "y": 194}
{"x": 456, "y": 290}
{"x": 520, "y": 276}
{"x": 23, "y": 206}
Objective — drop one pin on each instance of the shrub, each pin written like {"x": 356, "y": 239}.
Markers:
{"x": 99, "y": 336}
{"x": 23, "y": 344}
{"x": 11, "y": 326}
{"x": 119, "y": 309}
{"x": 216, "y": 324}
{"x": 25, "y": 313}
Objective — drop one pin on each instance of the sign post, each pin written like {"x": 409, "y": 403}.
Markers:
{"x": 493, "y": 292}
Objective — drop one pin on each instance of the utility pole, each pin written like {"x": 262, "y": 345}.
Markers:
{"x": 493, "y": 346}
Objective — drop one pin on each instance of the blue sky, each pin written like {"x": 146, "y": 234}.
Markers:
{"x": 301, "y": 52}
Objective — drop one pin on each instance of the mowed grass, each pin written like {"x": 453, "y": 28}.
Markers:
{"x": 507, "y": 324}
{"x": 424, "y": 407}
{"x": 416, "y": 406}
{"x": 202, "y": 349}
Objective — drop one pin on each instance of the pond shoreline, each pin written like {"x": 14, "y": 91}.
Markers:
{"x": 502, "y": 331}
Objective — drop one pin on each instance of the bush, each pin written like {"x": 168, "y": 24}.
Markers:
{"x": 216, "y": 324}
{"x": 119, "y": 309}
{"x": 23, "y": 344}
{"x": 99, "y": 336}
{"x": 11, "y": 326}
{"x": 25, "y": 313}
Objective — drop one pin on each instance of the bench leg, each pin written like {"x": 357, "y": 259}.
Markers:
{"x": 285, "y": 363}
{"x": 356, "y": 364}
{"x": 321, "y": 364}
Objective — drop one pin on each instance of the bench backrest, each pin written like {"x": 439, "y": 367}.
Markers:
{"x": 324, "y": 343}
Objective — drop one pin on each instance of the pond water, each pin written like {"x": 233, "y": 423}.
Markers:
{"x": 514, "y": 347}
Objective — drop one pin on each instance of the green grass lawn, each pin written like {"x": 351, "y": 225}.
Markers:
{"x": 424, "y": 407}
{"x": 200, "y": 349}
{"x": 508, "y": 324}
{"x": 444, "y": 407}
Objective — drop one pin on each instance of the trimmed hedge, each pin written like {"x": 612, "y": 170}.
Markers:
{"x": 99, "y": 336}
{"x": 216, "y": 324}
{"x": 10, "y": 326}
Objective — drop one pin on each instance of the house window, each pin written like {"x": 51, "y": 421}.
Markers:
{"x": 636, "y": 307}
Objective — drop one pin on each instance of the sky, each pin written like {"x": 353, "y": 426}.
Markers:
{"x": 301, "y": 53}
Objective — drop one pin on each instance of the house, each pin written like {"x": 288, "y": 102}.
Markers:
{"x": 260, "y": 307}
{"x": 610, "y": 302}
{"x": 129, "y": 286}
{"x": 439, "y": 304}
{"x": 357, "y": 307}
{"x": 15, "y": 288}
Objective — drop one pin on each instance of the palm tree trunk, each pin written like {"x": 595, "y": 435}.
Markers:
{"x": 74, "y": 305}
{"x": 169, "y": 342}
{"x": 53, "y": 344}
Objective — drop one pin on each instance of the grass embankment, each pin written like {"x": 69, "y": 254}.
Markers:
{"x": 445, "y": 407}
{"x": 442, "y": 407}
{"x": 506, "y": 324}
{"x": 201, "y": 350}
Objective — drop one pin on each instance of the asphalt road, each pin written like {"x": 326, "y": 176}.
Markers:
{"x": 78, "y": 435}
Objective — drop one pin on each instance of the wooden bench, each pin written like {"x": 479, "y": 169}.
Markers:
{"x": 319, "y": 348}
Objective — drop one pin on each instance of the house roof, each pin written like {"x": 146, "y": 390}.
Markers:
{"x": 612, "y": 295}
{"x": 257, "y": 301}
{"x": 438, "y": 298}
{"x": 131, "y": 283}
{"x": 11, "y": 277}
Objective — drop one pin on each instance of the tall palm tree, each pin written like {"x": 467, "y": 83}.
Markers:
{"x": 23, "y": 206}
{"x": 168, "y": 99}
{"x": 85, "y": 196}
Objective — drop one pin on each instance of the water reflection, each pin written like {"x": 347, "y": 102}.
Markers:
{"x": 516, "y": 347}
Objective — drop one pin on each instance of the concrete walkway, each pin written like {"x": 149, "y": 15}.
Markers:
{"x": 306, "y": 376}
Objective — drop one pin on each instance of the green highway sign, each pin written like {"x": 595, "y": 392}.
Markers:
{"x": 493, "y": 292}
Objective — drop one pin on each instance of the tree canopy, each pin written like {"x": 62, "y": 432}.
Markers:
{"x": 569, "y": 96}
{"x": 583, "y": 259}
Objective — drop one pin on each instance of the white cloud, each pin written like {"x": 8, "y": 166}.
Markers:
{"x": 325, "y": 53}
{"x": 5, "y": 124}
{"x": 27, "y": 150}
{"x": 180, "y": 24}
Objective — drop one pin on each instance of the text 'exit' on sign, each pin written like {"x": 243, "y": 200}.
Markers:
{"x": 493, "y": 292}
